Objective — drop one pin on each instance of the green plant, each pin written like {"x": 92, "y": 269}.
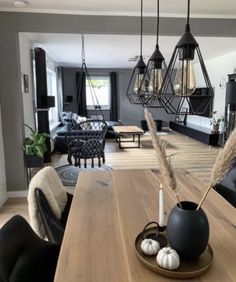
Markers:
{"x": 216, "y": 119}
{"x": 35, "y": 144}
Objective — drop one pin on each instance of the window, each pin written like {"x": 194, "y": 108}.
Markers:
{"x": 101, "y": 93}
{"x": 52, "y": 91}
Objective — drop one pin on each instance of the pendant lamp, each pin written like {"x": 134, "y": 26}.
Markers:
{"x": 134, "y": 90}
{"x": 153, "y": 77}
{"x": 179, "y": 84}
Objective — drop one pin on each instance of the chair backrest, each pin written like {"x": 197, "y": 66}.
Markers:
{"x": 49, "y": 182}
{"x": 227, "y": 187}
{"x": 84, "y": 131}
{"x": 53, "y": 227}
{"x": 24, "y": 257}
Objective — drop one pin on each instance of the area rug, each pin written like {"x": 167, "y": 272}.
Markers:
{"x": 69, "y": 173}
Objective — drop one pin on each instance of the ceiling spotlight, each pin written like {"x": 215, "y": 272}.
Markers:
{"x": 21, "y": 3}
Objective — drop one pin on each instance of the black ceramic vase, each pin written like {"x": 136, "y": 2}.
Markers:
{"x": 188, "y": 230}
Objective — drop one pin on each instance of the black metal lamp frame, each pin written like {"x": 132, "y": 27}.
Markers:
{"x": 186, "y": 49}
{"x": 136, "y": 97}
{"x": 156, "y": 62}
{"x": 143, "y": 95}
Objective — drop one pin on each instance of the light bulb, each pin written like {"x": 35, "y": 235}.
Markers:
{"x": 155, "y": 81}
{"x": 139, "y": 87}
{"x": 185, "y": 82}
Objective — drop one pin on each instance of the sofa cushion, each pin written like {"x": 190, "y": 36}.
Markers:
{"x": 110, "y": 124}
{"x": 64, "y": 130}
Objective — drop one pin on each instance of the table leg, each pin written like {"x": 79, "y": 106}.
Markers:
{"x": 119, "y": 139}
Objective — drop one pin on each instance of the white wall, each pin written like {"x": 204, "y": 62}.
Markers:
{"x": 26, "y": 68}
{"x": 3, "y": 189}
{"x": 218, "y": 68}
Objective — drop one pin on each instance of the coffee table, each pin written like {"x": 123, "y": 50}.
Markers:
{"x": 125, "y": 130}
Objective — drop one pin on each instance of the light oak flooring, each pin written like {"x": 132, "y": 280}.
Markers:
{"x": 190, "y": 154}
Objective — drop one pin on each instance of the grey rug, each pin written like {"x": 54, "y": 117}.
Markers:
{"x": 69, "y": 173}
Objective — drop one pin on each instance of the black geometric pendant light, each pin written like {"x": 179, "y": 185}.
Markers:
{"x": 134, "y": 90}
{"x": 179, "y": 84}
{"x": 153, "y": 77}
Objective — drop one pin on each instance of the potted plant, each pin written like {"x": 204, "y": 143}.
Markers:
{"x": 35, "y": 147}
{"x": 215, "y": 121}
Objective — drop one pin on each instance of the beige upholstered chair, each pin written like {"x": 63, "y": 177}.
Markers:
{"x": 49, "y": 205}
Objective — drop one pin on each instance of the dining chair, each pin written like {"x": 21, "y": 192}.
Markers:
{"x": 24, "y": 257}
{"x": 48, "y": 205}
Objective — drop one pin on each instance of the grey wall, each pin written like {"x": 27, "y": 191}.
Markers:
{"x": 127, "y": 113}
{"x": 10, "y": 91}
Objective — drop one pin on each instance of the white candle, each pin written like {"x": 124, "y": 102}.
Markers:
{"x": 161, "y": 207}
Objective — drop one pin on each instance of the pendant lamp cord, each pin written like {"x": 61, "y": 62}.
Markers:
{"x": 188, "y": 12}
{"x": 141, "y": 34}
{"x": 83, "y": 50}
{"x": 158, "y": 20}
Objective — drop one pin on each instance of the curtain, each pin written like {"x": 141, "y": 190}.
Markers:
{"x": 81, "y": 94}
{"x": 60, "y": 90}
{"x": 114, "y": 109}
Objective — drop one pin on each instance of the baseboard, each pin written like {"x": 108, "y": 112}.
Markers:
{"x": 17, "y": 194}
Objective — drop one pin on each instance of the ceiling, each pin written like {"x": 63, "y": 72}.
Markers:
{"x": 113, "y": 51}
{"x": 199, "y": 8}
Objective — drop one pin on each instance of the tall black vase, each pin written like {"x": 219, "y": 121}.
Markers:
{"x": 188, "y": 230}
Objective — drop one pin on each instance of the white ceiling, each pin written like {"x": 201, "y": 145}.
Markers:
{"x": 199, "y": 8}
{"x": 113, "y": 51}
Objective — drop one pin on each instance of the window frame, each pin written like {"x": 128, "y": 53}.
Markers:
{"x": 100, "y": 77}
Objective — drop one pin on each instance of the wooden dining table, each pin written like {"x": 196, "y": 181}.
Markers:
{"x": 110, "y": 209}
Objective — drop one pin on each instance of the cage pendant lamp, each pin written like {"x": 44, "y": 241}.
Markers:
{"x": 134, "y": 90}
{"x": 153, "y": 77}
{"x": 154, "y": 74}
{"x": 180, "y": 81}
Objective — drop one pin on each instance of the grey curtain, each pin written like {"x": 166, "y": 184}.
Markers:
{"x": 60, "y": 89}
{"x": 114, "y": 108}
{"x": 81, "y": 94}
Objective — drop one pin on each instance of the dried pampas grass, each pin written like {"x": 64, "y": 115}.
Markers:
{"x": 224, "y": 159}
{"x": 165, "y": 165}
{"x": 222, "y": 163}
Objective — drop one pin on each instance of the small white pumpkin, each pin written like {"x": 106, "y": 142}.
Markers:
{"x": 168, "y": 258}
{"x": 150, "y": 247}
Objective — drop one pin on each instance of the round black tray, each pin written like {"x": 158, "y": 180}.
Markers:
{"x": 187, "y": 268}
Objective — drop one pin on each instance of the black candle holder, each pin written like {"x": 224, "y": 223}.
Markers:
{"x": 155, "y": 234}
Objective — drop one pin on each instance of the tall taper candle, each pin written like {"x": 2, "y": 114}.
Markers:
{"x": 161, "y": 207}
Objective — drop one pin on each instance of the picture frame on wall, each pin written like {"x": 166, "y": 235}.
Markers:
{"x": 26, "y": 83}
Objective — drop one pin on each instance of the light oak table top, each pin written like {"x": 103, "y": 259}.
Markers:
{"x": 108, "y": 211}
{"x": 127, "y": 129}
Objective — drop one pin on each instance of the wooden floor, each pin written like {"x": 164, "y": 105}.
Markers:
{"x": 190, "y": 154}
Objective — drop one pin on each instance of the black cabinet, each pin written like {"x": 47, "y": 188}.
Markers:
{"x": 144, "y": 125}
{"x": 196, "y": 132}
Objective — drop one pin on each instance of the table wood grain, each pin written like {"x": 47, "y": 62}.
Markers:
{"x": 109, "y": 209}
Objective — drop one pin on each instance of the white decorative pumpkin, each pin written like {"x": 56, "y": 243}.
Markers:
{"x": 150, "y": 247}
{"x": 168, "y": 258}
